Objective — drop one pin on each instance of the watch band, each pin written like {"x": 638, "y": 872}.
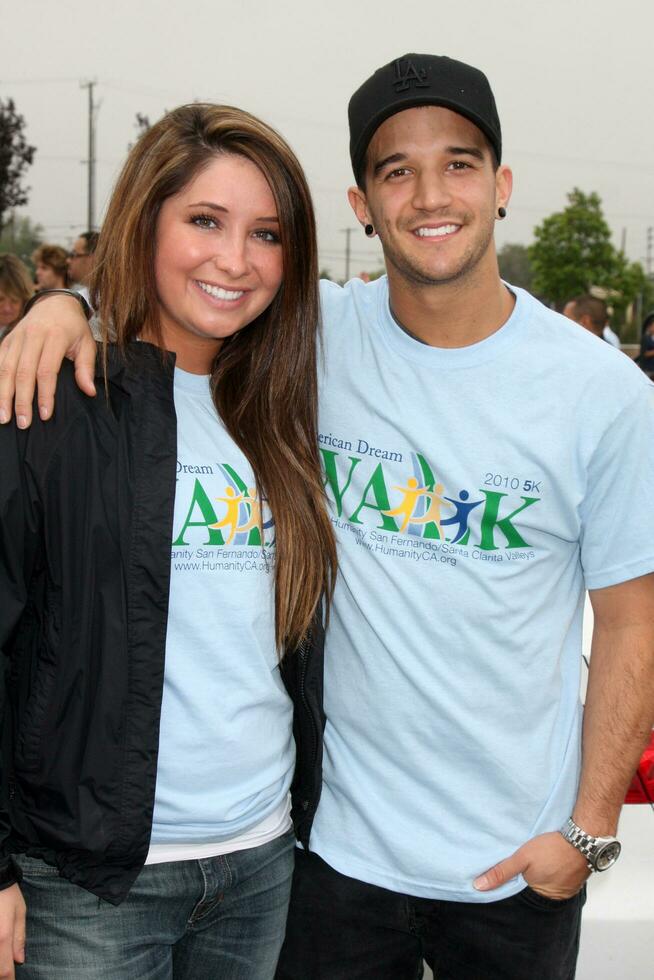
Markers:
{"x": 87, "y": 309}
{"x": 580, "y": 839}
{"x": 590, "y": 846}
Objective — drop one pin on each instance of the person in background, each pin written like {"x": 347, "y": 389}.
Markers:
{"x": 610, "y": 336}
{"x": 645, "y": 359}
{"x": 80, "y": 262}
{"x": 16, "y": 287}
{"x": 589, "y": 312}
{"x": 51, "y": 265}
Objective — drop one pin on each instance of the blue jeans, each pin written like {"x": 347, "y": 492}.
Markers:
{"x": 220, "y": 918}
{"x": 343, "y": 929}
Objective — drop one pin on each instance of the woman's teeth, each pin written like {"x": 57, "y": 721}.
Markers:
{"x": 219, "y": 293}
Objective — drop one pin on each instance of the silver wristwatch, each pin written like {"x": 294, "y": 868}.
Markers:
{"x": 600, "y": 852}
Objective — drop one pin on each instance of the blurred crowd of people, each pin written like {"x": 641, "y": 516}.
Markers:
{"x": 54, "y": 268}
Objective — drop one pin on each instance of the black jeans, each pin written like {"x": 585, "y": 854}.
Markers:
{"x": 343, "y": 929}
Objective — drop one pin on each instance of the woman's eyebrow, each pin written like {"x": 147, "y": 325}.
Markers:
{"x": 221, "y": 207}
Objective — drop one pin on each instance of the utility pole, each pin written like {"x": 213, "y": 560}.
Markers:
{"x": 90, "y": 199}
{"x": 648, "y": 254}
{"x": 347, "y": 232}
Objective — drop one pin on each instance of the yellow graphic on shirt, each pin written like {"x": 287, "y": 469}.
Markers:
{"x": 254, "y": 519}
{"x": 231, "y": 518}
{"x": 433, "y": 512}
{"x": 412, "y": 493}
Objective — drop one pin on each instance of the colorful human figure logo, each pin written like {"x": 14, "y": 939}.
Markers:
{"x": 432, "y": 501}
{"x": 254, "y": 520}
{"x": 411, "y": 495}
{"x": 233, "y": 501}
{"x": 463, "y": 511}
{"x": 433, "y": 512}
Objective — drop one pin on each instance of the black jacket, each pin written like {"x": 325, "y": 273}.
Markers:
{"x": 86, "y": 516}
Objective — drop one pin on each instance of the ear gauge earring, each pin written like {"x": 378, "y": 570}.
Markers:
{"x": 369, "y": 230}
{"x": 501, "y": 212}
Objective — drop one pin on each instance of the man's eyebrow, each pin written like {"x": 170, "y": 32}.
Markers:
{"x": 219, "y": 207}
{"x": 472, "y": 151}
{"x": 386, "y": 161}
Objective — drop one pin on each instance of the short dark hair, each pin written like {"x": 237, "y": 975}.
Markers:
{"x": 592, "y": 307}
{"x": 91, "y": 239}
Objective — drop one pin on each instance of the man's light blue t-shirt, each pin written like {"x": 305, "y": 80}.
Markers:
{"x": 476, "y": 493}
{"x": 226, "y": 750}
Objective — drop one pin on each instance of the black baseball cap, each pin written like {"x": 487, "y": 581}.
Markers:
{"x": 415, "y": 80}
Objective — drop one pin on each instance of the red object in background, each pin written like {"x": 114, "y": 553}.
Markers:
{"x": 641, "y": 789}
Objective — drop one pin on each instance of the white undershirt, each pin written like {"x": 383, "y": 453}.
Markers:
{"x": 275, "y": 824}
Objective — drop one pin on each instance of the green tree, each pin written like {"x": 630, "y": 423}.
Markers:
{"x": 21, "y": 237}
{"x": 629, "y": 283}
{"x": 573, "y": 250}
{"x": 573, "y": 253}
{"x": 15, "y": 156}
{"x": 515, "y": 265}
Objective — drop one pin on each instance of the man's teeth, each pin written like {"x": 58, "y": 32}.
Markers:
{"x": 436, "y": 232}
{"x": 219, "y": 293}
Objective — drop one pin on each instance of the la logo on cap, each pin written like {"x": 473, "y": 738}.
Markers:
{"x": 406, "y": 75}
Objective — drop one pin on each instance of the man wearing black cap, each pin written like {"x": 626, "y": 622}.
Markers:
{"x": 478, "y": 487}
{"x": 472, "y": 506}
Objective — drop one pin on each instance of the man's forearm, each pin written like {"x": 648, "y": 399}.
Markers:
{"x": 619, "y": 710}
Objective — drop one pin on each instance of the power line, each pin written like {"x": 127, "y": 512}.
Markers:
{"x": 35, "y": 81}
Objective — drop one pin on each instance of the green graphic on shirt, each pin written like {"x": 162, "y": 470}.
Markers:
{"x": 240, "y": 509}
{"x": 201, "y": 507}
{"x": 375, "y": 497}
{"x": 420, "y": 506}
{"x": 331, "y": 476}
{"x": 490, "y": 520}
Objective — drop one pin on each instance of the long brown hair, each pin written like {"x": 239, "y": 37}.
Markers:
{"x": 264, "y": 379}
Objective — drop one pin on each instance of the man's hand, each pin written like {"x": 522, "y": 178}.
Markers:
{"x": 548, "y": 864}
{"x": 32, "y": 354}
{"x": 12, "y": 930}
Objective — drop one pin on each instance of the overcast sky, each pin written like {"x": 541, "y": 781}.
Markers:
{"x": 573, "y": 81}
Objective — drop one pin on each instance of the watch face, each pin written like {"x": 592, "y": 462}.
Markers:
{"x": 607, "y": 855}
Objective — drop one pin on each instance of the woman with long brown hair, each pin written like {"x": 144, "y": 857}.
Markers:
{"x": 164, "y": 552}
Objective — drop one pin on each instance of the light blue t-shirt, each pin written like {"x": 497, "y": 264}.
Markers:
{"x": 226, "y": 750}
{"x": 476, "y": 492}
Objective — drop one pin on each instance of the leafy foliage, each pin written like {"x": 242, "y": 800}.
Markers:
{"x": 573, "y": 254}
{"x": 21, "y": 237}
{"x": 15, "y": 156}
{"x": 515, "y": 265}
